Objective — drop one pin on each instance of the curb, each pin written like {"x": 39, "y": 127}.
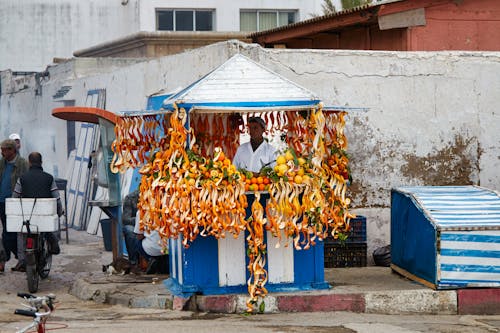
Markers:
{"x": 414, "y": 301}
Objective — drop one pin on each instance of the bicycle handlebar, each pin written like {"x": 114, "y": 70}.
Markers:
{"x": 25, "y": 295}
{"x": 26, "y": 313}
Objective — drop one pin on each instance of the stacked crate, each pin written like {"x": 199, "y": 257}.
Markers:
{"x": 350, "y": 252}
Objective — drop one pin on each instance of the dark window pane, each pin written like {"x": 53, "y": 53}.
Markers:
{"x": 204, "y": 21}
{"x": 184, "y": 20}
{"x": 70, "y": 130}
{"x": 165, "y": 20}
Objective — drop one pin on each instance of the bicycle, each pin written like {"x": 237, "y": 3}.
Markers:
{"x": 36, "y": 303}
{"x": 38, "y": 257}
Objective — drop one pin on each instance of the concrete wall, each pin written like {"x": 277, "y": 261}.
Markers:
{"x": 423, "y": 118}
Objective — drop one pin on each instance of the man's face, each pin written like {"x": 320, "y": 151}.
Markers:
{"x": 255, "y": 130}
{"x": 18, "y": 144}
{"x": 8, "y": 153}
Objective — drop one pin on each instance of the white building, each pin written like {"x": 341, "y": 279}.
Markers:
{"x": 34, "y": 32}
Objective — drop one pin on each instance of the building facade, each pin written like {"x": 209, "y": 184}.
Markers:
{"x": 34, "y": 32}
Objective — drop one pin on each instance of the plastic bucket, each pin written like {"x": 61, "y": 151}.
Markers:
{"x": 106, "y": 234}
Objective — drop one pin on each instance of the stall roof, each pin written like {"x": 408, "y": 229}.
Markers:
{"x": 457, "y": 207}
{"x": 244, "y": 85}
{"x": 84, "y": 114}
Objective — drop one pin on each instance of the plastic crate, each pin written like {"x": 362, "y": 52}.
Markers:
{"x": 357, "y": 233}
{"x": 344, "y": 255}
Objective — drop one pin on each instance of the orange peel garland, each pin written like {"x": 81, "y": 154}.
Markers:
{"x": 190, "y": 188}
{"x": 308, "y": 190}
{"x": 256, "y": 255}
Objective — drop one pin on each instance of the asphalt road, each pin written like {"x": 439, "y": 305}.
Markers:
{"x": 85, "y": 254}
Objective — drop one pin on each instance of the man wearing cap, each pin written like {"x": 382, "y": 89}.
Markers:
{"x": 12, "y": 166}
{"x": 257, "y": 153}
{"x": 17, "y": 139}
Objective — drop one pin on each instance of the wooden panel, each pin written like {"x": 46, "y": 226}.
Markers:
{"x": 232, "y": 265}
{"x": 279, "y": 260}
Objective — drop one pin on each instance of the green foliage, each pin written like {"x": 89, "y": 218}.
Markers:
{"x": 262, "y": 307}
{"x": 348, "y": 4}
{"x": 328, "y": 7}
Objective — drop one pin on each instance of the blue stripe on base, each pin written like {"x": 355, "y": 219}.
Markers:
{"x": 470, "y": 268}
{"x": 470, "y": 253}
{"x": 470, "y": 238}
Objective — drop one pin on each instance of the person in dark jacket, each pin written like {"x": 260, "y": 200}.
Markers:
{"x": 12, "y": 166}
{"x": 36, "y": 184}
{"x": 128, "y": 220}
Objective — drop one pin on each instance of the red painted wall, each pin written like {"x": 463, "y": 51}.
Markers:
{"x": 468, "y": 25}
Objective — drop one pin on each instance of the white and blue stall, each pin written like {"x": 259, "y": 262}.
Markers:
{"x": 211, "y": 266}
{"x": 446, "y": 237}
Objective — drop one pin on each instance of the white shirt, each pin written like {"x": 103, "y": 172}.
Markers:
{"x": 246, "y": 158}
{"x": 151, "y": 242}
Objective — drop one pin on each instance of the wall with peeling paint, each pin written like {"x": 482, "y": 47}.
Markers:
{"x": 421, "y": 118}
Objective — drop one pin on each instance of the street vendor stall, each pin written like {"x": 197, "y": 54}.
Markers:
{"x": 228, "y": 230}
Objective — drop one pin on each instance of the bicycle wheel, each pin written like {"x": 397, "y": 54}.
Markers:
{"x": 44, "y": 259}
{"x": 32, "y": 277}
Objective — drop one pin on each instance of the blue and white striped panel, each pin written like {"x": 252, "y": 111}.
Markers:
{"x": 459, "y": 206}
{"x": 470, "y": 258}
{"x": 175, "y": 251}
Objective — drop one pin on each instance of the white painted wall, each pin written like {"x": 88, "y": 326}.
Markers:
{"x": 34, "y": 32}
{"x": 228, "y": 12}
{"x": 429, "y": 118}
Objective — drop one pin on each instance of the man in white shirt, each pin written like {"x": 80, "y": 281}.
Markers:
{"x": 257, "y": 153}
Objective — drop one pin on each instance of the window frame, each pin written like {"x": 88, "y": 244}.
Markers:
{"x": 277, "y": 13}
{"x": 193, "y": 11}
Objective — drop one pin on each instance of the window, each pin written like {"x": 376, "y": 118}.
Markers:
{"x": 260, "y": 20}
{"x": 184, "y": 20}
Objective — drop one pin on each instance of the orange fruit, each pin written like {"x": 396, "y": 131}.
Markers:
{"x": 298, "y": 179}
{"x": 227, "y": 162}
{"x": 262, "y": 187}
{"x": 266, "y": 180}
{"x": 247, "y": 187}
{"x": 221, "y": 156}
{"x": 248, "y": 181}
{"x": 260, "y": 180}
{"x": 254, "y": 180}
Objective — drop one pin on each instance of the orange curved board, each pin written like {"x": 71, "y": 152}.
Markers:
{"x": 84, "y": 114}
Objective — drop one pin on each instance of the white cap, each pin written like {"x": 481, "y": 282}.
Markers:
{"x": 14, "y": 136}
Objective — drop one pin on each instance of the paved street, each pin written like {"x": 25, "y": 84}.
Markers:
{"x": 85, "y": 254}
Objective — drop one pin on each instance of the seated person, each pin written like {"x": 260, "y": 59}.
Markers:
{"x": 128, "y": 225}
{"x": 149, "y": 247}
